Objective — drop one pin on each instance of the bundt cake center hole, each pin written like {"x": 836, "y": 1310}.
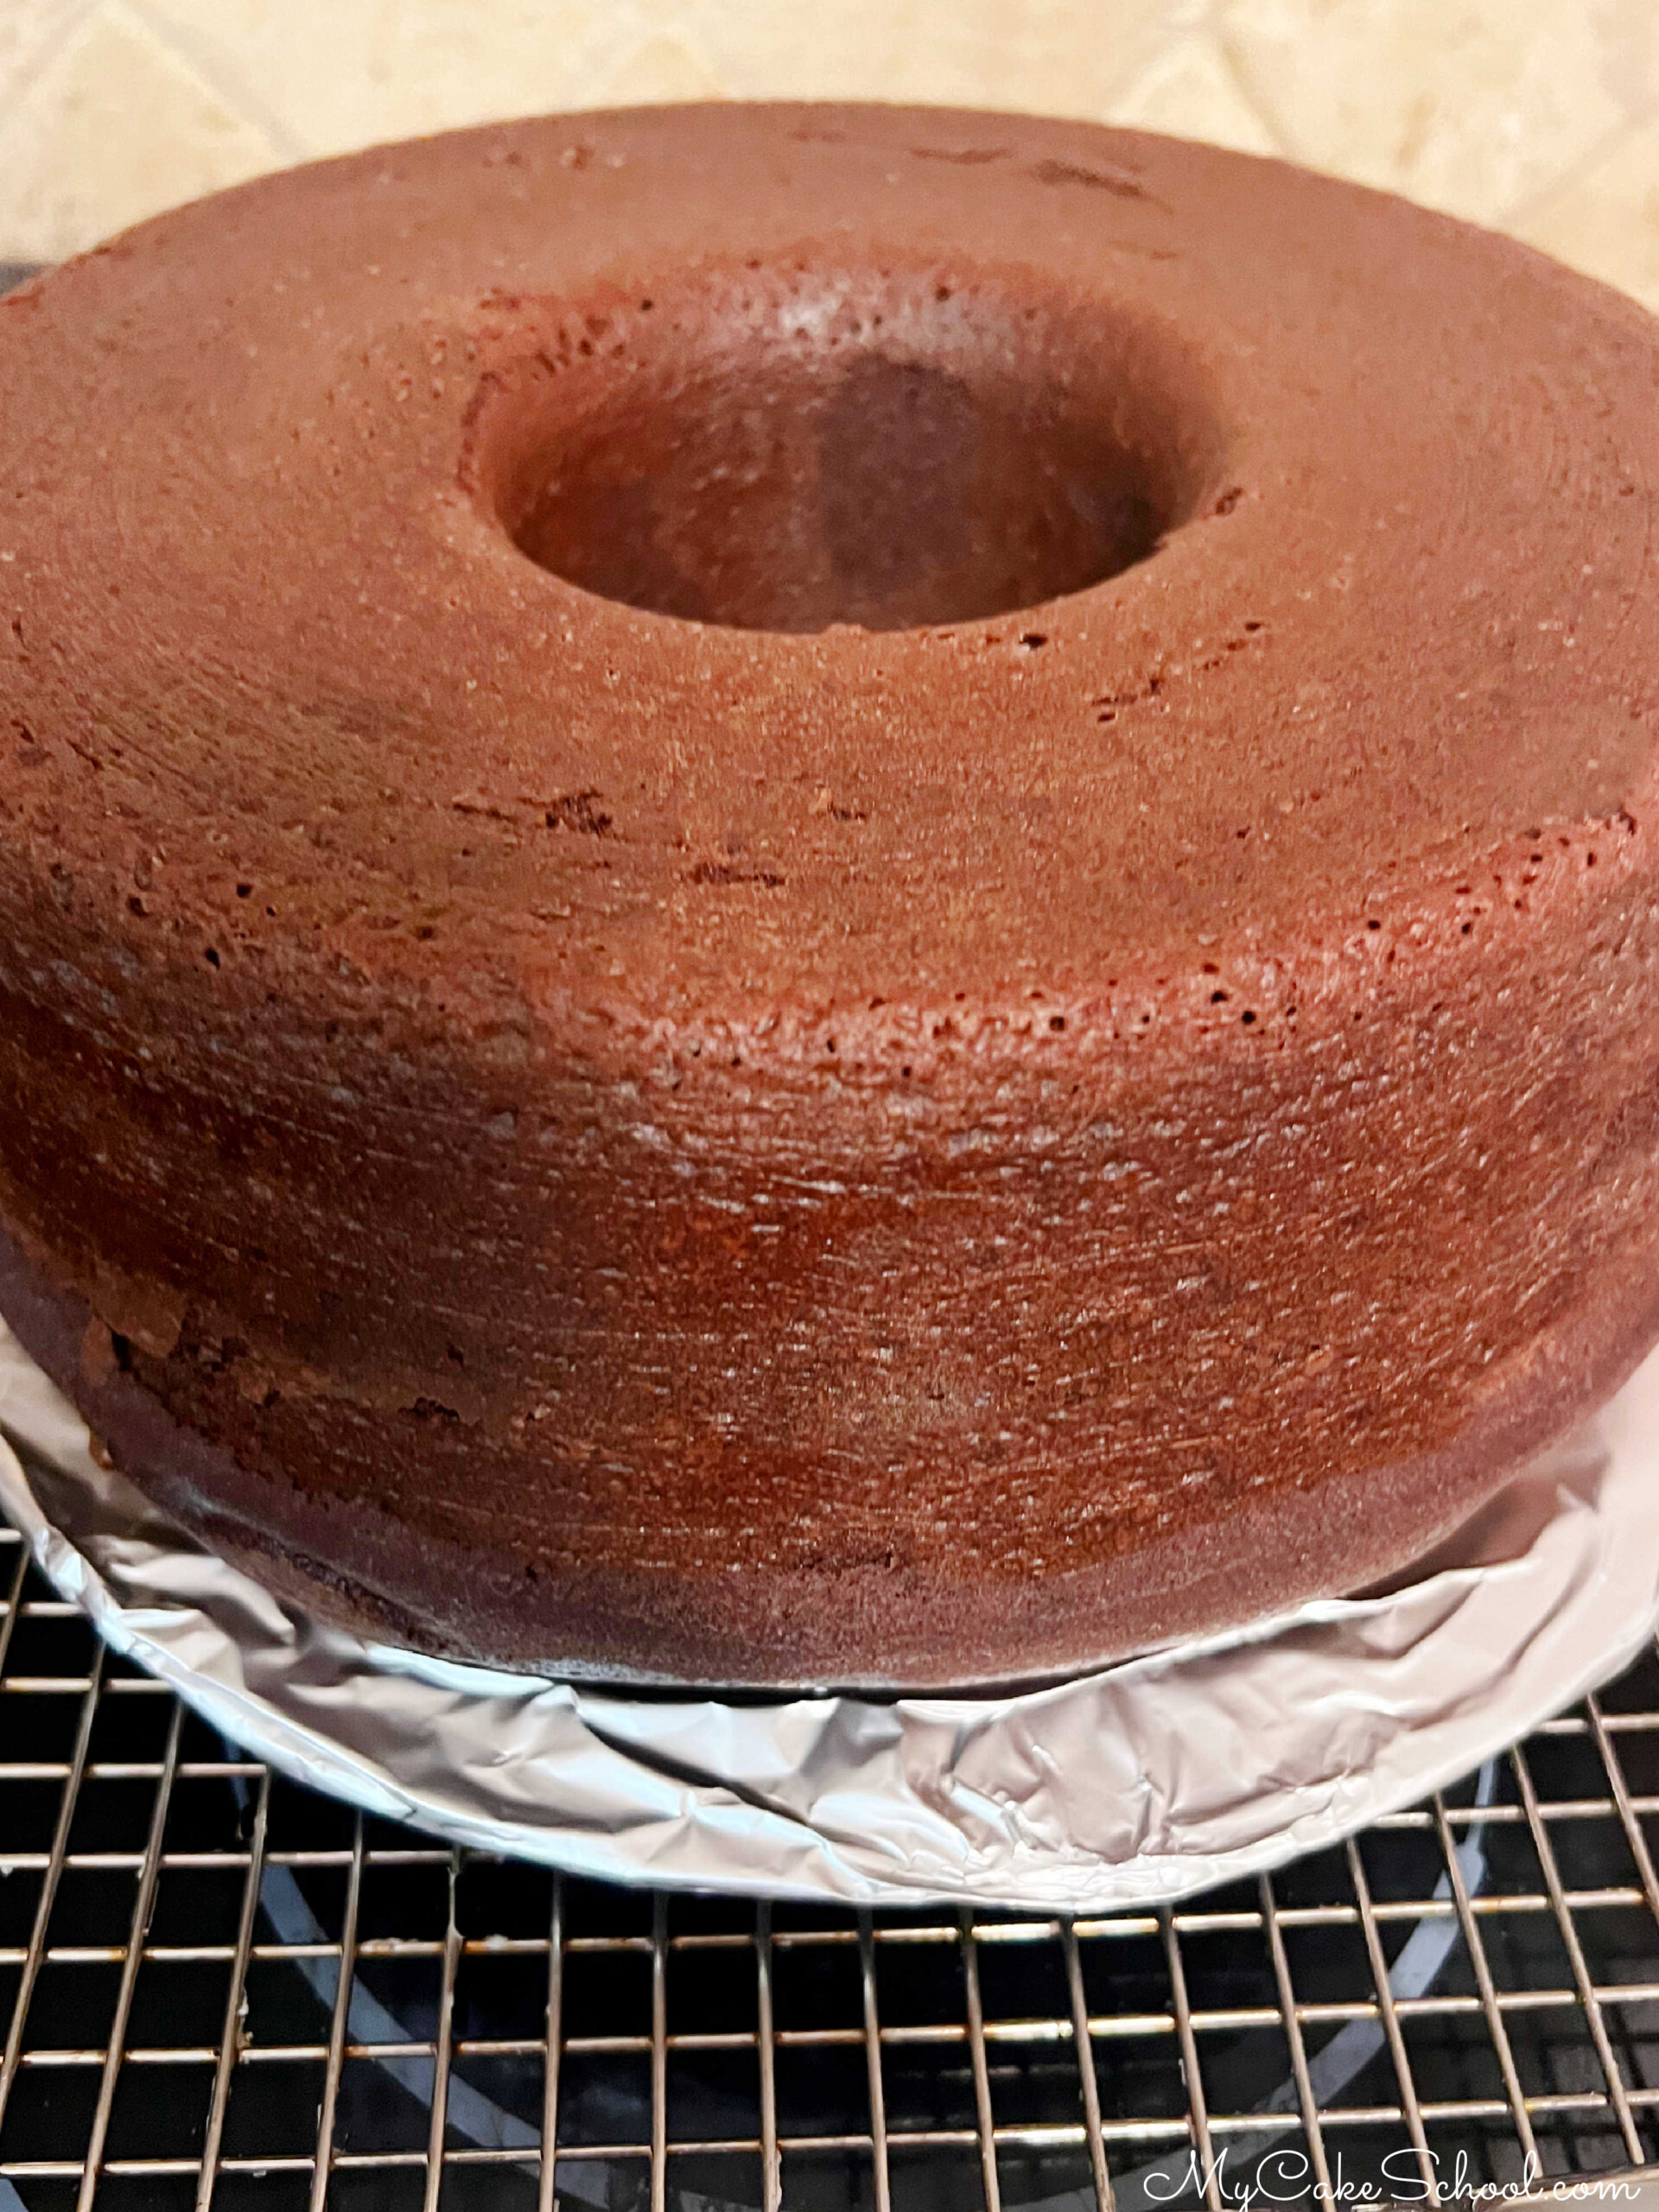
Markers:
{"x": 896, "y": 461}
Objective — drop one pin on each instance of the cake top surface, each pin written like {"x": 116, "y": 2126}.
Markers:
{"x": 702, "y": 562}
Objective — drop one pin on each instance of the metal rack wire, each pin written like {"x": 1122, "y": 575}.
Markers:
{"x": 223, "y": 1990}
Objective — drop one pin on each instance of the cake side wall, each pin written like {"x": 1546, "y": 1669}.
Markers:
{"x": 921, "y": 1357}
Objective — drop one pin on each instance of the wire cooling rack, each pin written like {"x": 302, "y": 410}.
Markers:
{"x": 221, "y": 1989}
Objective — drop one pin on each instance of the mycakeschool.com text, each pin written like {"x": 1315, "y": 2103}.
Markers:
{"x": 1404, "y": 2177}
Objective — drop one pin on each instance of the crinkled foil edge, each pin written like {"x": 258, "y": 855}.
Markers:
{"x": 1129, "y": 1786}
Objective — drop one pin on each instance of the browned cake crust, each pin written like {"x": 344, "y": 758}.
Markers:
{"x": 809, "y": 893}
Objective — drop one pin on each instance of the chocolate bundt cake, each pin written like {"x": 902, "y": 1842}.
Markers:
{"x": 803, "y": 894}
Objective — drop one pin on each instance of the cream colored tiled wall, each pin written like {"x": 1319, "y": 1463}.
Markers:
{"x": 1539, "y": 116}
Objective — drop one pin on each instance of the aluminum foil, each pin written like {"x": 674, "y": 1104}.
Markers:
{"x": 1129, "y": 1786}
